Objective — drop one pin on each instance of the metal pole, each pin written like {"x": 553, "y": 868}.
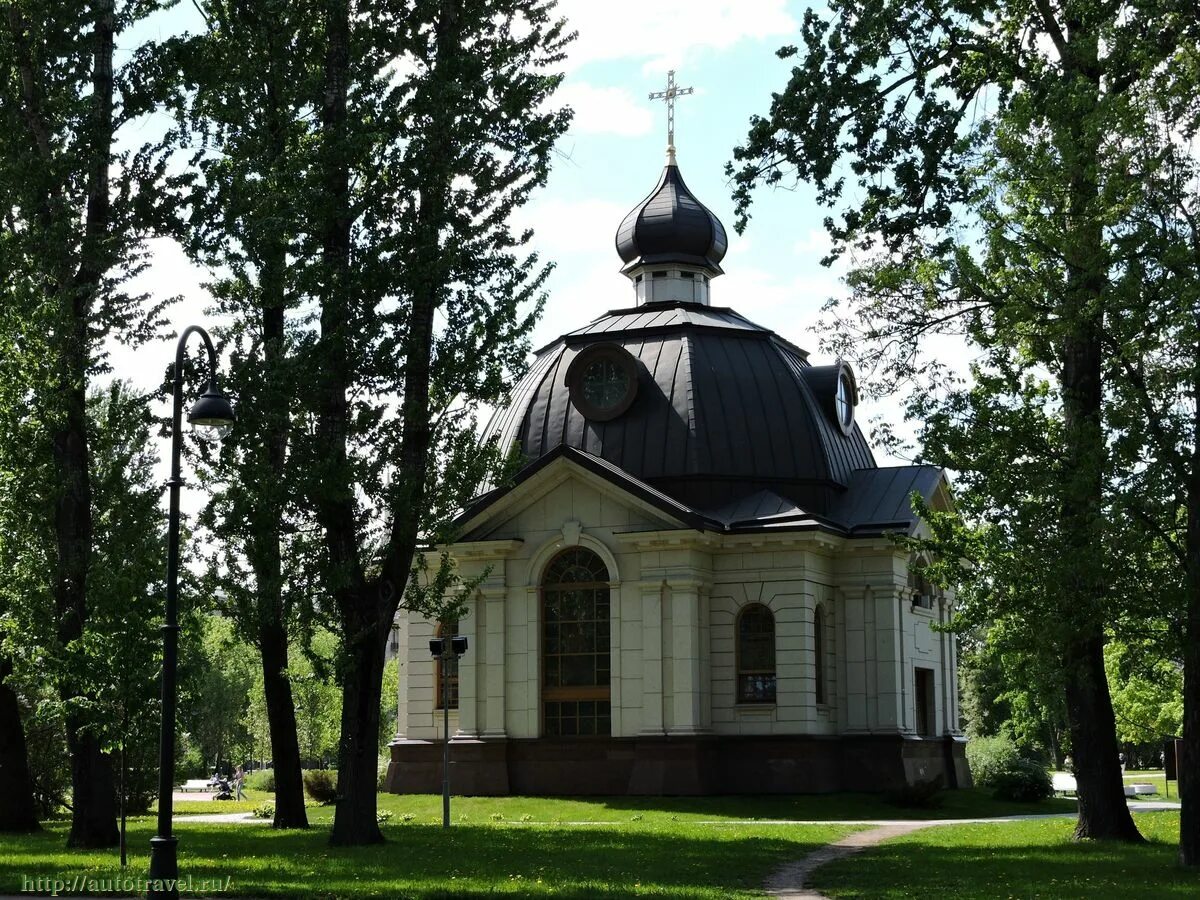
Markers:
{"x": 446, "y": 735}
{"x": 164, "y": 865}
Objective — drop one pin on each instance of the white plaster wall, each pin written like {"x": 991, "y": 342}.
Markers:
{"x": 674, "y": 599}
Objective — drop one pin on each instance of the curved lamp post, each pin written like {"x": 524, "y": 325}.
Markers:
{"x": 211, "y": 410}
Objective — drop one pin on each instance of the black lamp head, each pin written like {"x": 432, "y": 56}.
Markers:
{"x": 213, "y": 410}
{"x": 437, "y": 646}
{"x": 459, "y": 644}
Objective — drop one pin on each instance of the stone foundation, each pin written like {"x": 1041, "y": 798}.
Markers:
{"x": 694, "y": 765}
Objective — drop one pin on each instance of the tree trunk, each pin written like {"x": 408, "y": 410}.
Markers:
{"x": 93, "y": 791}
{"x": 1188, "y": 771}
{"x": 1103, "y": 811}
{"x": 1188, "y": 765}
{"x": 17, "y": 809}
{"x": 354, "y": 821}
{"x": 281, "y": 719}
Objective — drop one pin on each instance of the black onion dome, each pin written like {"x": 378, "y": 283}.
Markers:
{"x": 672, "y": 226}
{"x": 723, "y": 409}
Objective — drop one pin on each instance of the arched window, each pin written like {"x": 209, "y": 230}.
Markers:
{"x": 446, "y": 630}
{"x": 756, "y": 655}
{"x": 575, "y": 645}
{"x": 819, "y": 654}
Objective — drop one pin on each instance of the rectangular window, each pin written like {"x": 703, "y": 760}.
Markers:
{"x": 923, "y": 688}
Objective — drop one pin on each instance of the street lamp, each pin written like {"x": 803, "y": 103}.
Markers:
{"x": 446, "y": 650}
{"x": 211, "y": 410}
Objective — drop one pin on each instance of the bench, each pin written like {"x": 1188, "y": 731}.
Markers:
{"x": 196, "y": 784}
{"x": 1063, "y": 783}
{"x": 1139, "y": 790}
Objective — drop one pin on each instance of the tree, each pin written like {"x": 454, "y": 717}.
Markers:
{"x": 219, "y": 679}
{"x": 433, "y": 129}
{"x": 113, "y": 664}
{"x": 72, "y": 226}
{"x": 1147, "y": 693}
{"x": 121, "y": 641}
{"x": 252, "y": 79}
{"x": 1006, "y": 691}
{"x": 991, "y": 143}
{"x": 1153, "y": 344}
{"x": 17, "y": 809}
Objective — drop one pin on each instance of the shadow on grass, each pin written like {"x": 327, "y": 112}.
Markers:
{"x": 1015, "y": 859}
{"x": 961, "y": 804}
{"x": 425, "y": 861}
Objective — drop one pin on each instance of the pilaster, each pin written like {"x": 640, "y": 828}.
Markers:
{"x": 687, "y": 657}
{"x": 469, "y": 669}
{"x": 492, "y": 600}
{"x": 652, "y": 658}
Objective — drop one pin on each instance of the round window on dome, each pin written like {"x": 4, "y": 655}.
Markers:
{"x": 844, "y": 401}
{"x": 603, "y": 381}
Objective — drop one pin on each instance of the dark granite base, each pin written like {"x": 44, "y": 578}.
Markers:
{"x": 702, "y": 764}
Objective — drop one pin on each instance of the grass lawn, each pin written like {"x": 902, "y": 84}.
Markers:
{"x": 191, "y": 807}
{"x": 666, "y": 810}
{"x": 969, "y": 804}
{"x": 671, "y": 859}
{"x": 1033, "y": 859}
{"x": 1156, "y": 778}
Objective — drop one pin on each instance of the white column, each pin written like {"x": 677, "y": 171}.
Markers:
{"x": 687, "y": 684}
{"x": 652, "y": 662}
{"x": 468, "y": 671}
{"x": 402, "y": 667}
{"x": 493, "y": 601}
{"x": 890, "y": 666}
{"x": 854, "y": 656}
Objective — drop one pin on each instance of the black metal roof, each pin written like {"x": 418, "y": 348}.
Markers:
{"x": 723, "y": 410}
{"x": 758, "y": 512}
{"x": 671, "y": 226}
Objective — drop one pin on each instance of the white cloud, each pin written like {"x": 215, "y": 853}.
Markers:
{"x": 604, "y": 110}
{"x": 668, "y": 31}
{"x": 563, "y": 227}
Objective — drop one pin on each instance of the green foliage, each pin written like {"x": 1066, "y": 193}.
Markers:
{"x": 261, "y": 780}
{"x": 264, "y": 811}
{"x": 1019, "y": 178}
{"x": 321, "y": 785}
{"x": 113, "y": 665}
{"x": 388, "y": 699}
{"x": 988, "y": 757}
{"x": 1147, "y": 692}
{"x": 1022, "y": 781}
{"x": 215, "y": 686}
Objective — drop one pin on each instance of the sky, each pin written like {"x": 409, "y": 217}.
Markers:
{"x": 611, "y": 159}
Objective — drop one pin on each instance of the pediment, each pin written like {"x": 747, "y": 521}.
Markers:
{"x": 563, "y": 491}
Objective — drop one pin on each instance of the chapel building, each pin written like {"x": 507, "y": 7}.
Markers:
{"x": 693, "y": 584}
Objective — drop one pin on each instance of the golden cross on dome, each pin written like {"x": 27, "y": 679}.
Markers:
{"x": 669, "y": 96}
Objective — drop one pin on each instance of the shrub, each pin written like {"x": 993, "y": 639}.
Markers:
{"x": 383, "y": 816}
{"x": 989, "y": 756}
{"x": 918, "y": 795}
{"x": 264, "y": 810}
{"x": 321, "y": 785}
{"x": 262, "y": 780}
{"x": 1023, "y": 781}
